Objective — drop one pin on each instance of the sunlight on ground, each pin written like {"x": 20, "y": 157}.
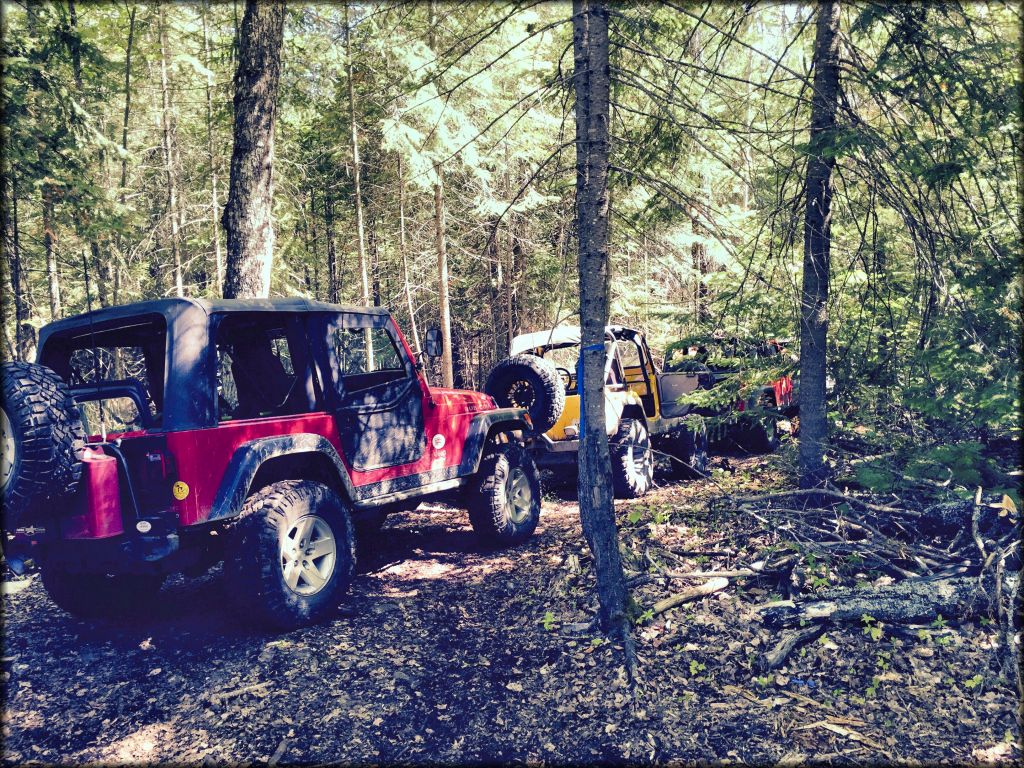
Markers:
{"x": 430, "y": 569}
{"x": 419, "y": 569}
{"x": 140, "y": 746}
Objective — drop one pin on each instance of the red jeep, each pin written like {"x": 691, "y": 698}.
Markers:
{"x": 168, "y": 435}
{"x": 755, "y": 425}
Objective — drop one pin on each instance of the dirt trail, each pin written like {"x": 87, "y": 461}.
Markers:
{"x": 449, "y": 653}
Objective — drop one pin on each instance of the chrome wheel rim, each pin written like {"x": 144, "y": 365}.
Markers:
{"x": 309, "y": 553}
{"x": 8, "y": 449}
{"x": 520, "y": 496}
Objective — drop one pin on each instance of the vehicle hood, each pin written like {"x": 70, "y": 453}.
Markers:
{"x": 462, "y": 400}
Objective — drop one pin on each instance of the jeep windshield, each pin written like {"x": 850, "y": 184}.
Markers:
{"x": 115, "y": 372}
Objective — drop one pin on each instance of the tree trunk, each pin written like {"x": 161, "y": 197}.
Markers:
{"x": 248, "y": 215}
{"x": 699, "y": 250}
{"x": 52, "y": 270}
{"x": 447, "y": 370}
{"x": 314, "y": 244}
{"x": 817, "y": 243}
{"x": 700, "y": 210}
{"x": 127, "y": 105}
{"x": 514, "y": 272}
{"x": 497, "y": 291}
{"x": 333, "y": 289}
{"x": 597, "y": 512}
{"x": 12, "y": 254}
{"x": 218, "y": 257}
{"x": 75, "y": 46}
{"x": 364, "y": 277}
{"x": 83, "y": 211}
{"x": 374, "y": 262}
{"x": 168, "y": 150}
{"x": 123, "y": 188}
{"x": 405, "y": 257}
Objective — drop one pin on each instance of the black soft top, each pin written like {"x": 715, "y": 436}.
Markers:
{"x": 172, "y": 308}
{"x": 188, "y": 360}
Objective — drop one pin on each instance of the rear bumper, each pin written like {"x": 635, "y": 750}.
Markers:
{"x": 154, "y": 552}
{"x": 549, "y": 454}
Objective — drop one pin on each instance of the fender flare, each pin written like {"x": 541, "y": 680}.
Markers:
{"x": 483, "y": 426}
{"x": 249, "y": 457}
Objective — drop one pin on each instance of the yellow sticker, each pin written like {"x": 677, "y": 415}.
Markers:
{"x": 180, "y": 490}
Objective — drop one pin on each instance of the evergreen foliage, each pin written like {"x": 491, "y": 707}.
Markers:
{"x": 709, "y": 128}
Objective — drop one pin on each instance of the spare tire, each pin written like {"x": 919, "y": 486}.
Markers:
{"x": 530, "y": 382}
{"x": 41, "y": 440}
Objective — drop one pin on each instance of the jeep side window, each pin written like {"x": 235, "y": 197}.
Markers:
{"x": 357, "y": 369}
{"x": 614, "y": 366}
{"x": 629, "y": 353}
{"x": 115, "y": 365}
{"x": 261, "y": 369}
{"x": 116, "y": 372}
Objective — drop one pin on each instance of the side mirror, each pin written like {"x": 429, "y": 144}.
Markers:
{"x": 432, "y": 345}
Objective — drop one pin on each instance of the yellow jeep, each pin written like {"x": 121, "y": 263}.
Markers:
{"x": 641, "y": 405}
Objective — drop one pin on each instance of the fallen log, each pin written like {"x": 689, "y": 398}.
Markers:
{"x": 734, "y": 574}
{"x": 709, "y": 587}
{"x": 913, "y": 601}
{"x": 776, "y": 657}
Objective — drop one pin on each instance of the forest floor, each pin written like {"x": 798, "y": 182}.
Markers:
{"x": 449, "y": 653}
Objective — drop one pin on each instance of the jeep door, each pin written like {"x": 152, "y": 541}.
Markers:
{"x": 373, "y": 390}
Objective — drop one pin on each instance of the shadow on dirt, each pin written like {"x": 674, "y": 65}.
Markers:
{"x": 194, "y": 612}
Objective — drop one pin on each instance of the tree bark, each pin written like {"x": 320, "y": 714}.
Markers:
{"x": 913, "y": 601}
{"x": 447, "y": 369}
{"x": 314, "y": 243}
{"x": 123, "y": 188}
{"x": 516, "y": 267}
{"x": 75, "y": 46}
{"x": 405, "y": 257}
{"x": 497, "y": 275}
{"x": 248, "y": 215}
{"x": 364, "y": 278}
{"x": 12, "y": 254}
{"x": 83, "y": 210}
{"x": 127, "y": 105}
{"x": 218, "y": 257}
{"x": 49, "y": 237}
{"x": 699, "y": 250}
{"x": 371, "y": 235}
{"x": 333, "y": 288}
{"x": 168, "y": 151}
{"x": 597, "y": 512}
{"x": 817, "y": 244}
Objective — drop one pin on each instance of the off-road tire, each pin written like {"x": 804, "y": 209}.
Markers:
{"x": 689, "y": 451}
{"x": 761, "y": 434}
{"x": 99, "y": 595}
{"x": 531, "y": 382}
{"x": 48, "y": 438}
{"x": 632, "y": 460}
{"x": 253, "y": 566}
{"x": 507, "y": 473}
